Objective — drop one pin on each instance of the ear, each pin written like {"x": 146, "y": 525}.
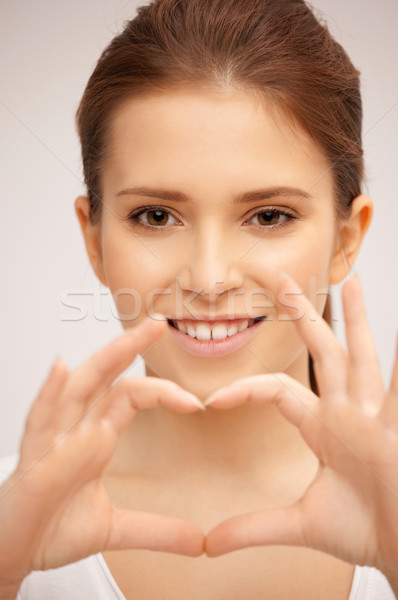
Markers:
{"x": 92, "y": 237}
{"x": 351, "y": 233}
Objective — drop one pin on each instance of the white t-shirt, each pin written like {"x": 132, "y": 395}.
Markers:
{"x": 90, "y": 578}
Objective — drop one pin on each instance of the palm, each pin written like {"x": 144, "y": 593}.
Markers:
{"x": 81, "y": 515}
{"x": 80, "y": 528}
{"x": 54, "y": 508}
{"x": 347, "y": 509}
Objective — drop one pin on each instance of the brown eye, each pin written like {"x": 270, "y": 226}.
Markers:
{"x": 272, "y": 219}
{"x": 157, "y": 217}
{"x": 269, "y": 217}
{"x": 152, "y": 218}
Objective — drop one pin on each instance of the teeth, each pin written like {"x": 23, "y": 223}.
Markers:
{"x": 232, "y": 330}
{"x": 182, "y": 327}
{"x": 244, "y": 325}
{"x": 219, "y": 332}
{"x": 202, "y": 331}
{"x": 191, "y": 331}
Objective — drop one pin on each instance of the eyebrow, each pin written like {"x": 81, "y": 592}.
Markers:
{"x": 252, "y": 196}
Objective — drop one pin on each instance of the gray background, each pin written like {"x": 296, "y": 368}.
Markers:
{"x": 47, "y": 52}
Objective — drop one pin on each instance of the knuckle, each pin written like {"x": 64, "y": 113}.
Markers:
{"x": 334, "y": 354}
{"x": 123, "y": 384}
{"x": 170, "y": 387}
{"x": 126, "y": 386}
{"x": 284, "y": 382}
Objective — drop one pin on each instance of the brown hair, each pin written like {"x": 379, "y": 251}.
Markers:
{"x": 276, "y": 49}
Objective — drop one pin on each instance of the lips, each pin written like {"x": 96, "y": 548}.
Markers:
{"x": 222, "y": 343}
{"x": 215, "y": 330}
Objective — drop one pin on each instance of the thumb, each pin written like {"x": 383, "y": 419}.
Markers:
{"x": 279, "y": 526}
{"x": 150, "y": 531}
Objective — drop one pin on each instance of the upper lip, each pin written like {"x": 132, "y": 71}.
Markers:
{"x": 217, "y": 318}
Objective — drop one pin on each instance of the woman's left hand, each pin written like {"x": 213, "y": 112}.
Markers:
{"x": 350, "y": 509}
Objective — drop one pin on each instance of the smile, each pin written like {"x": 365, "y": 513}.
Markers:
{"x": 213, "y": 338}
{"x": 218, "y": 330}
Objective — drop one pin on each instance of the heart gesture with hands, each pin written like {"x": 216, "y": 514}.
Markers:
{"x": 54, "y": 509}
{"x": 350, "y": 509}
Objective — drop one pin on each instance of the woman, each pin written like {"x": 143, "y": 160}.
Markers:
{"x": 222, "y": 156}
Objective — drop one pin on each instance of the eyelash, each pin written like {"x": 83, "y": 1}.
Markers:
{"x": 135, "y": 222}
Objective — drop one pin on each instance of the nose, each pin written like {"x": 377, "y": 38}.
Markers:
{"x": 211, "y": 265}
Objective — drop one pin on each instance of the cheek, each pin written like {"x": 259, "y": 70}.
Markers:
{"x": 305, "y": 257}
{"x": 135, "y": 273}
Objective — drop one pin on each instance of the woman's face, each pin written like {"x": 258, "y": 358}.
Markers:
{"x": 203, "y": 250}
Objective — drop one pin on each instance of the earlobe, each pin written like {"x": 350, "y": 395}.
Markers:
{"x": 352, "y": 230}
{"x": 92, "y": 237}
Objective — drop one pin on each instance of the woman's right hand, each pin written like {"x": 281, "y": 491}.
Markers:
{"x": 54, "y": 509}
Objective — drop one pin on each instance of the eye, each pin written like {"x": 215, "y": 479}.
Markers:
{"x": 158, "y": 217}
{"x": 272, "y": 218}
{"x": 152, "y": 217}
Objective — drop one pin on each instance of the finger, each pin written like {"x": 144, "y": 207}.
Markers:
{"x": 390, "y": 408}
{"x": 394, "y": 377}
{"x": 359, "y": 337}
{"x": 280, "y": 526}
{"x": 133, "y": 393}
{"x": 329, "y": 357}
{"x": 95, "y": 376}
{"x": 43, "y": 406}
{"x": 293, "y": 400}
{"x": 140, "y": 530}
{"x": 365, "y": 384}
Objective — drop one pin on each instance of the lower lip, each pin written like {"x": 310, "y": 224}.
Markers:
{"x": 214, "y": 347}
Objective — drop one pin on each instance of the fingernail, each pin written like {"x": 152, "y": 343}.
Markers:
{"x": 55, "y": 364}
{"x": 157, "y": 317}
{"x": 355, "y": 275}
{"x": 192, "y": 398}
{"x": 144, "y": 322}
{"x": 215, "y": 396}
{"x": 209, "y": 401}
{"x": 286, "y": 277}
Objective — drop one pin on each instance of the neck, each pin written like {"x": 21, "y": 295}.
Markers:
{"x": 249, "y": 441}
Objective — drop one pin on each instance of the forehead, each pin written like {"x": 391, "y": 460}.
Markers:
{"x": 209, "y": 139}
